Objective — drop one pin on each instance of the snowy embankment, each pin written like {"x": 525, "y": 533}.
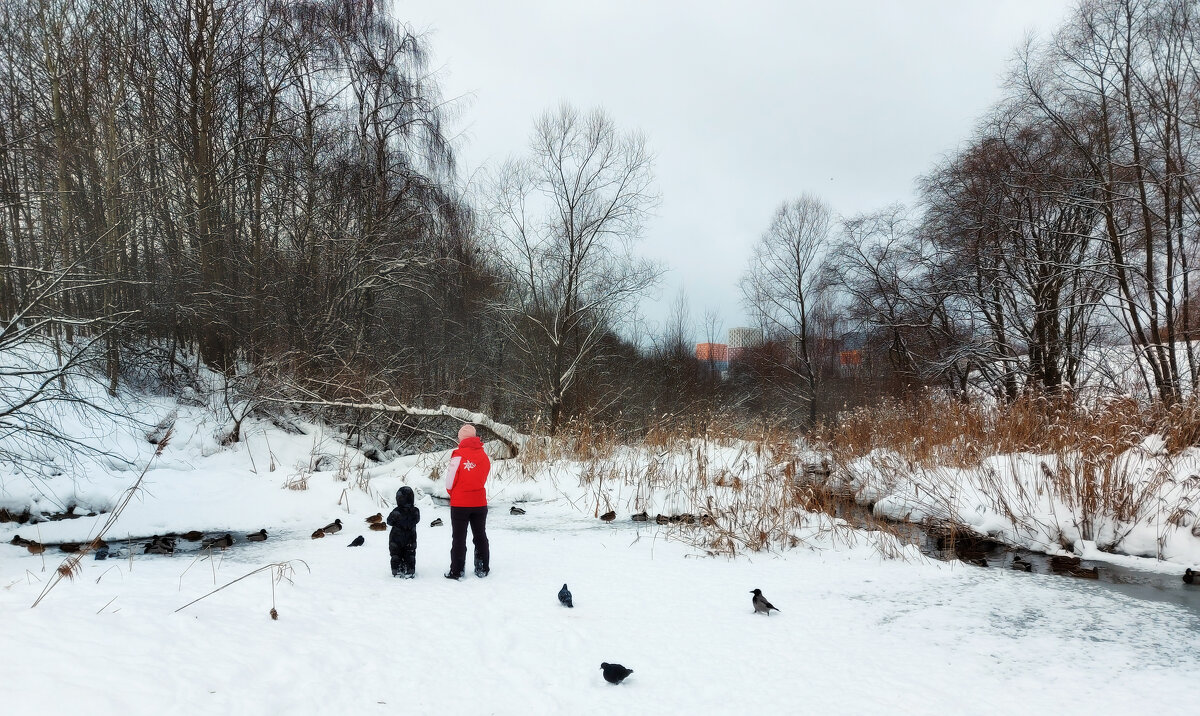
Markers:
{"x": 1142, "y": 502}
{"x": 857, "y": 632}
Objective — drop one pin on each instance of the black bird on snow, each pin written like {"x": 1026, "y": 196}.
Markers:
{"x": 1189, "y": 577}
{"x": 358, "y": 542}
{"x": 564, "y": 597}
{"x": 761, "y": 605}
{"x": 614, "y": 673}
{"x": 102, "y": 553}
{"x": 514, "y": 510}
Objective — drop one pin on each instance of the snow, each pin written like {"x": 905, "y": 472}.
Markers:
{"x": 857, "y": 633}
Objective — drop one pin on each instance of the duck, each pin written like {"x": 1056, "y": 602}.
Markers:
{"x": 35, "y": 547}
{"x": 687, "y": 519}
{"x": 1189, "y": 577}
{"x": 69, "y": 547}
{"x": 193, "y": 536}
{"x": 640, "y": 517}
{"x": 1062, "y": 563}
{"x": 1021, "y": 565}
{"x": 225, "y": 541}
{"x": 375, "y": 518}
{"x": 20, "y": 541}
{"x": 978, "y": 562}
{"x": 376, "y": 526}
{"x": 333, "y": 527}
{"x": 707, "y": 520}
{"x": 662, "y": 519}
{"x": 160, "y": 545}
{"x": 436, "y": 523}
{"x": 514, "y": 510}
{"x": 259, "y": 536}
{"x": 1082, "y": 573}
{"x": 609, "y": 516}
{"x": 319, "y": 533}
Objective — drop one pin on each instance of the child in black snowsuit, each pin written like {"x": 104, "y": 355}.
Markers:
{"x": 403, "y": 541}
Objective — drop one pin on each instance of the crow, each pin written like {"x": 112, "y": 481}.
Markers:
{"x": 614, "y": 673}
{"x": 564, "y": 597}
{"x": 358, "y": 542}
{"x": 259, "y": 536}
{"x": 761, "y": 605}
{"x": 514, "y": 510}
{"x": 609, "y": 516}
{"x": 333, "y": 527}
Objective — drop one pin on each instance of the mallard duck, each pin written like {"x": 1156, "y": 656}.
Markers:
{"x": 318, "y": 534}
{"x": 436, "y": 523}
{"x": 978, "y": 562}
{"x": 225, "y": 541}
{"x": 1093, "y": 573}
{"x": 20, "y": 541}
{"x": 514, "y": 510}
{"x": 259, "y": 536}
{"x": 377, "y": 527}
{"x": 333, "y": 527}
{"x": 1062, "y": 563}
{"x": 1021, "y": 565}
{"x": 609, "y": 516}
{"x": 160, "y": 545}
{"x": 662, "y": 519}
{"x": 69, "y": 547}
{"x": 35, "y": 547}
{"x": 193, "y": 536}
{"x": 687, "y": 519}
{"x": 375, "y": 518}
{"x": 640, "y": 517}
{"x": 707, "y": 520}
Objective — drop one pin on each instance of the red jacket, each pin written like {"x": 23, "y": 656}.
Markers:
{"x": 466, "y": 474}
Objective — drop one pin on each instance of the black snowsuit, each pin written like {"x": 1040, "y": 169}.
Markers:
{"x": 402, "y": 543}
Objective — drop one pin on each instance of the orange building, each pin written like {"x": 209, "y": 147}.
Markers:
{"x": 716, "y": 352}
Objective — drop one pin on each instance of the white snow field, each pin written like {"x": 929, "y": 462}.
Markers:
{"x": 857, "y": 633}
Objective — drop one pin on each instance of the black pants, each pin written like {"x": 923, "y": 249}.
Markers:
{"x": 460, "y": 517}
{"x": 404, "y": 557}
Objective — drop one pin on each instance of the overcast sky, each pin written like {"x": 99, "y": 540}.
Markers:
{"x": 744, "y": 104}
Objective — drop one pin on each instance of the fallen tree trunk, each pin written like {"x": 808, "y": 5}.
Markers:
{"x": 512, "y": 439}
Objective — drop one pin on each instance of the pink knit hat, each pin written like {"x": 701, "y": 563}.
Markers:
{"x": 466, "y": 431}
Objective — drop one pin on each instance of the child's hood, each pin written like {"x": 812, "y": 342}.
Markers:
{"x": 404, "y": 497}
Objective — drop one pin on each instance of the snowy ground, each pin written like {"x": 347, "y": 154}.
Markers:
{"x": 857, "y": 634}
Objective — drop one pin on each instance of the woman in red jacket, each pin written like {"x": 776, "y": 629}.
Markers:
{"x": 465, "y": 478}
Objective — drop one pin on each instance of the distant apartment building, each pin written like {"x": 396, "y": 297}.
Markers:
{"x": 715, "y": 355}
{"x": 743, "y": 338}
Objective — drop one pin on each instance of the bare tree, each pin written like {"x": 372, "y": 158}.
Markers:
{"x": 783, "y": 284}
{"x": 565, "y": 220}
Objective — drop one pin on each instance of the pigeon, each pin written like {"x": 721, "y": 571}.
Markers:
{"x": 1021, "y": 565}
{"x": 333, "y": 527}
{"x": 609, "y": 516}
{"x": 761, "y": 605}
{"x": 377, "y": 517}
{"x": 193, "y": 536}
{"x": 376, "y": 526}
{"x": 259, "y": 536}
{"x": 101, "y": 554}
{"x": 223, "y": 542}
{"x": 358, "y": 542}
{"x": 641, "y": 517}
{"x": 614, "y": 673}
{"x": 318, "y": 534}
{"x": 436, "y": 523}
{"x": 564, "y": 597}
{"x": 514, "y": 510}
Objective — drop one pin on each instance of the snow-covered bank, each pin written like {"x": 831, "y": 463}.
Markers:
{"x": 1018, "y": 499}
